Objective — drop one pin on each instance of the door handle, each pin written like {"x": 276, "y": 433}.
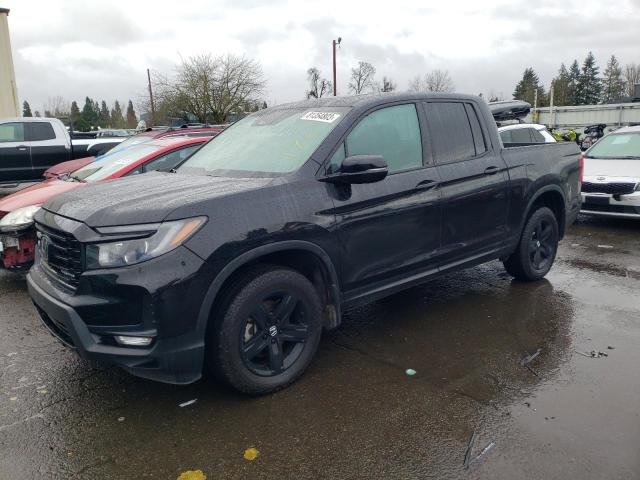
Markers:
{"x": 427, "y": 185}
{"x": 22, "y": 148}
{"x": 492, "y": 170}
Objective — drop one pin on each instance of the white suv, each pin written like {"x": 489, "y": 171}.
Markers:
{"x": 611, "y": 184}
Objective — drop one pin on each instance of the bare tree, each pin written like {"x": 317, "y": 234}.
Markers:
{"x": 362, "y": 78}
{"x": 631, "y": 77}
{"x": 57, "y": 106}
{"x": 318, "y": 86}
{"x": 386, "y": 85}
{"x": 208, "y": 87}
{"x": 238, "y": 81}
{"x": 435, "y": 81}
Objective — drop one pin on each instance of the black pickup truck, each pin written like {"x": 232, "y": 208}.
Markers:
{"x": 240, "y": 258}
{"x": 29, "y": 146}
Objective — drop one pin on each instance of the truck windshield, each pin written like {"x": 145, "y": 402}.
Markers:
{"x": 617, "y": 145}
{"x": 274, "y": 141}
{"x": 110, "y": 163}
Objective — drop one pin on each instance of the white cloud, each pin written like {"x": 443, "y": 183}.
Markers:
{"x": 75, "y": 49}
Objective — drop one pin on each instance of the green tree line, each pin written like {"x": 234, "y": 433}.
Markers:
{"x": 94, "y": 114}
{"x": 581, "y": 85}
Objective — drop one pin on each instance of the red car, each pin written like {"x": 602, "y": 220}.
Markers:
{"x": 17, "y": 232}
{"x": 149, "y": 134}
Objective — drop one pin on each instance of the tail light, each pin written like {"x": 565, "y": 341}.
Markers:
{"x": 581, "y": 166}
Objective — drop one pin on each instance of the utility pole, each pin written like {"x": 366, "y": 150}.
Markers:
{"x": 153, "y": 108}
{"x": 335, "y": 88}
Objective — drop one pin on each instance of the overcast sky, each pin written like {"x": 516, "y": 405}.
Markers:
{"x": 76, "y": 48}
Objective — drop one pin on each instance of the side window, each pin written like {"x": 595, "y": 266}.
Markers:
{"x": 336, "y": 160}
{"x": 41, "y": 131}
{"x": 393, "y": 132}
{"x": 536, "y": 136}
{"x": 171, "y": 159}
{"x": 520, "y": 135}
{"x": 476, "y": 130}
{"x": 12, "y": 132}
{"x": 505, "y": 135}
{"x": 450, "y": 130}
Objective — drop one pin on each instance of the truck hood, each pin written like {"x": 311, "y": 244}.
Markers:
{"x": 36, "y": 194}
{"x": 148, "y": 198}
{"x": 611, "y": 167}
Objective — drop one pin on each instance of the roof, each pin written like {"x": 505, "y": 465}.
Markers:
{"x": 29, "y": 119}
{"x": 516, "y": 126}
{"x": 632, "y": 129}
{"x": 175, "y": 141}
{"x": 368, "y": 100}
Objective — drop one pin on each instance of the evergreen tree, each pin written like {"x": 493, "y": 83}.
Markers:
{"x": 132, "y": 121}
{"x": 574, "y": 76}
{"x": 562, "y": 94}
{"x": 589, "y": 86}
{"x": 26, "y": 109}
{"x": 75, "y": 111}
{"x": 89, "y": 114}
{"x": 117, "y": 120}
{"x": 78, "y": 122}
{"x": 612, "y": 83}
{"x": 105, "y": 116}
{"x": 527, "y": 87}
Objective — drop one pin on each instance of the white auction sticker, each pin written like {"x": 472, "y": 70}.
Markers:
{"x": 327, "y": 117}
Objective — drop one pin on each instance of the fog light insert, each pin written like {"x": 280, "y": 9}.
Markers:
{"x": 133, "y": 341}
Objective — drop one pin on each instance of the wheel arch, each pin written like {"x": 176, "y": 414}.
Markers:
{"x": 550, "y": 196}
{"x": 278, "y": 254}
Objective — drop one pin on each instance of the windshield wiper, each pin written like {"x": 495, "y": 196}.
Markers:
{"x": 76, "y": 179}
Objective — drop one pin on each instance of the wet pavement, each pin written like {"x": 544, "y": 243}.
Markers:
{"x": 356, "y": 413}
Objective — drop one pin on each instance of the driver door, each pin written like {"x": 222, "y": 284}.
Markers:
{"x": 388, "y": 229}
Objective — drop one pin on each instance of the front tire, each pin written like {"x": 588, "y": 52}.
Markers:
{"x": 537, "y": 248}
{"x": 267, "y": 331}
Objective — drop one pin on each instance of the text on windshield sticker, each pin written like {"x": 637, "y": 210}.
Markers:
{"x": 326, "y": 117}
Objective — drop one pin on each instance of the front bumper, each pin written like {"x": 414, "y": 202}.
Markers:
{"x": 17, "y": 249}
{"x": 87, "y": 321}
{"x": 603, "y": 204}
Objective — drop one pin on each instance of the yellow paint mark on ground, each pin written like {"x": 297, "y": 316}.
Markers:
{"x": 251, "y": 454}
{"x": 192, "y": 475}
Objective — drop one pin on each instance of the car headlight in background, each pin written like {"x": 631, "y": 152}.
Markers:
{"x": 165, "y": 237}
{"x": 19, "y": 218}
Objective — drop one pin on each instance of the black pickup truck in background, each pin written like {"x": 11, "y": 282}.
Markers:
{"x": 262, "y": 237}
{"x": 30, "y": 145}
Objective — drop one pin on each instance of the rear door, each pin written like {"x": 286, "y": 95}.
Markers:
{"x": 15, "y": 155}
{"x": 46, "y": 149}
{"x": 473, "y": 180}
{"x": 391, "y": 228}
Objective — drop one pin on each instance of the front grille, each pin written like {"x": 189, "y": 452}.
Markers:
{"x": 58, "y": 329}
{"x": 61, "y": 256}
{"x": 621, "y": 188}
{"x": 611, "y": 208}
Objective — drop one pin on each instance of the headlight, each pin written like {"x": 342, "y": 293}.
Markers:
{"x": 18, "y": 219}
{"x": 166, "y": 237}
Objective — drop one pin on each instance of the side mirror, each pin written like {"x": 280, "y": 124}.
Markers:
{"x": 359, "y": 169}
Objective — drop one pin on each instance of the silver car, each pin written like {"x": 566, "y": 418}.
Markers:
{"x": 611, "y": 183}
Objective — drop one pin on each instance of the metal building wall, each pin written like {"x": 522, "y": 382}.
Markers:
{"x": 9, "y": 105}
{"x": 613, "y": 115}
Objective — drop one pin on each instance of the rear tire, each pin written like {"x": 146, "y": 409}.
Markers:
{"x": 537, "y": 248}
{"x": 267, "y": 330}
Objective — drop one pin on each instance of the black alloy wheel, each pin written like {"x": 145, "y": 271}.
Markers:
{"x": 274, "y": 334}
{"x": 541, "y": 247}
{"x": 536, "y": 250}
{"x": 265, "y": 330}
